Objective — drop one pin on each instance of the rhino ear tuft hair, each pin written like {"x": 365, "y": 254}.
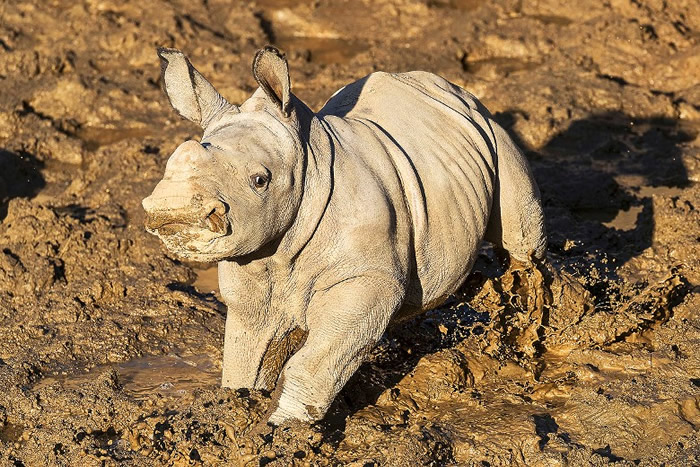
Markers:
{"x": 271, "y": 71}
{"x": 190, "y": 94}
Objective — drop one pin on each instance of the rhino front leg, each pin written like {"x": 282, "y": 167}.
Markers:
{"x": 244, "y": 348}
{"x": 344, "y": 322}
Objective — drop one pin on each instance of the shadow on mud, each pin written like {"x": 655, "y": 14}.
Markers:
{"x": 20, "y": 176}
{"x": 209, "y": 297}
{"x": 595, "y": 179}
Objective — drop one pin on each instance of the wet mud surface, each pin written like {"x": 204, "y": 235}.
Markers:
{"x": 110, "y": 348}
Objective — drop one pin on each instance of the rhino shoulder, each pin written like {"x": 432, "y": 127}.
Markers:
{"x": 379, "y": 89}
{"x": 358, "y": 94}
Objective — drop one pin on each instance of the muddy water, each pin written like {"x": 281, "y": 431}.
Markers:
{"x": 590, "y": 359}
{"x": 327, "y": 50}
{"x": 95, "y": 137}
{"x": 166, "y": 376}
{"x": 498, "y": 66}
{"x": 625, "y": 219}
{"x": 322, "y": 45}
{"x": 457, "y": 4}
{"x": 207, "y": 280}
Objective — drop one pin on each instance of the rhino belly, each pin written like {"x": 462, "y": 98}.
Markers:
{"x": 449, "y": 186}
{"x": 443, "y": 150}
{"x": 445, "y": 250}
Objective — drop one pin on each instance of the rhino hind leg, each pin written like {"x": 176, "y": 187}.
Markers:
{"x": 516, "y": 223}
{"x": 345, "y": 322}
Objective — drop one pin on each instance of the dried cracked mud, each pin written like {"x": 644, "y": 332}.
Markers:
{"x": 110, "y": 348}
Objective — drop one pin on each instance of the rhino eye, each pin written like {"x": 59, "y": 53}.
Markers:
{"x": 259, "y": 181}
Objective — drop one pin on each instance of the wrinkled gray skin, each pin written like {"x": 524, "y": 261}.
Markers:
{"x": 328, "y": 226}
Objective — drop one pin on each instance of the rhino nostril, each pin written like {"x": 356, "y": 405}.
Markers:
{"x": 216, "y": 217}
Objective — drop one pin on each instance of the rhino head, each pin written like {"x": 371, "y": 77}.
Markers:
{"x": 240, "y": 187}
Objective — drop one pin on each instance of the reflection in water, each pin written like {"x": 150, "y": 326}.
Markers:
{"x": 207, "y": 280}
{"x": 167, "y": 375}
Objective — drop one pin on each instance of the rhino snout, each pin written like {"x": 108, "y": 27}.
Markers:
{"x": 165, "y": 220}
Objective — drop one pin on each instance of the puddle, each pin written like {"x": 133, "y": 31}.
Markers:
{"x": 499, "y": 65}
{"x": 626, "y": 219}
{"x": 327, "y": 50}
{"x": 552, "y": 19}
{"x": 298, "y": 36}
{"x": 641, "y": 187}
{"x": 95, "y": 137}
{"x": 207, "y": 280}
{"x": 670, "y": 191}
{"x": 465, "y": 5}
{"x": 11, "y": 432}
{"x": 602, "y": 215}
{"x": 614, "y": 218}
{"x": 276, "y": 4}
{"x": 167, "y": 375}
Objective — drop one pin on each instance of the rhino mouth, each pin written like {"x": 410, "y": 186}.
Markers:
{"x": 182, "y": 229}
{"x": 172, "y": 228}
{"x": 186, "y": 240}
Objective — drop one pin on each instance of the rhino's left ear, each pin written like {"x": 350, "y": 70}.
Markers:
{"x": 271, "y": 71}
{"x": 190, "y": 94}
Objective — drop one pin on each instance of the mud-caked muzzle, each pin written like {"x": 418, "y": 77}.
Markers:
{"x": 162, "y": 219}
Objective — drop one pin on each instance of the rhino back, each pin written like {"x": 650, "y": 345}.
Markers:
{"x": 438, "y": 138}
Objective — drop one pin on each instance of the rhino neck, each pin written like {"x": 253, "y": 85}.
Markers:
{"x": 318, "y": 183}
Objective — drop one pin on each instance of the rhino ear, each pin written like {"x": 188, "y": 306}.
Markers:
{"x": 190, "y": 94}
{"x": 271, "y": 71}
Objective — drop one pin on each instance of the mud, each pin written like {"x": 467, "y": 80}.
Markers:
{"x": 110, "y": 348}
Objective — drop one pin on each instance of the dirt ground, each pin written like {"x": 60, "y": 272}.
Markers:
{"x": 110, "y": 348}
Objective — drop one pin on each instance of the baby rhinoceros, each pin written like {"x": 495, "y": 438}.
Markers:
{"x": 329, "y": 226}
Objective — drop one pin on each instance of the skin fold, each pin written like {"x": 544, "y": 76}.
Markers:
{"x": 328, "y": 226}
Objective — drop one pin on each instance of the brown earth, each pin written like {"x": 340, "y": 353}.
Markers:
{"x": 110, "y": 351}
